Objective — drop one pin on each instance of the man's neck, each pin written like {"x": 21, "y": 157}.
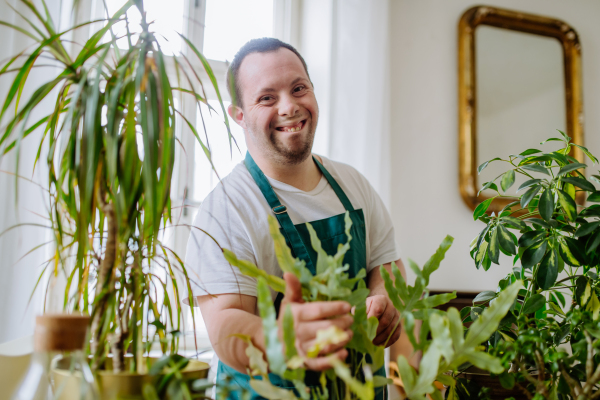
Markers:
{"x": 304, "y": 176}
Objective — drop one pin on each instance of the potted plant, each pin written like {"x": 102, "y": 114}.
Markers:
{"x": 548, "y": 341}
{"x": 111, "y": 150}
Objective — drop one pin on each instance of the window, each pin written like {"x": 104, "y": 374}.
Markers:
{"x": 217, "y": 28}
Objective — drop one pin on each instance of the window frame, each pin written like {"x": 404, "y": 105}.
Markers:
{"x": 286, "y": 24}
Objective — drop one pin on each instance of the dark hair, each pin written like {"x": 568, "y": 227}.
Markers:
{"x": 262, "y": 45}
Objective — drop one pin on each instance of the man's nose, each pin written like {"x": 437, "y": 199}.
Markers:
{"x": 288, "y": 106}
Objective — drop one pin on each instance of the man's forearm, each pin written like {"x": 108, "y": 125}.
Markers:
{"x": 230, "y": 349}
{"x": 227, "y": 315}
{"x": 375, "y": 282}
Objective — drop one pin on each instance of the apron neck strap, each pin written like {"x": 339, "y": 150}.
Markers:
{"x": 335, "y": 186}
{"x": 280, "y": 211}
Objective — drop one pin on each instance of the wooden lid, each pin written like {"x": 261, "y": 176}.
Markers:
{"x": 60, "y": 332}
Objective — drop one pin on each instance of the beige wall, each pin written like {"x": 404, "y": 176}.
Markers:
{"x": 425, "y": 202}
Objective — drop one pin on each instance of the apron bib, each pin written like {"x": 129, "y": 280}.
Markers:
{"x": 331, "y": 232}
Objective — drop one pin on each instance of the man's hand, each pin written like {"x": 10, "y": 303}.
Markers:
{"x": 381, "y": 307}
{"x": 312, "y": 317}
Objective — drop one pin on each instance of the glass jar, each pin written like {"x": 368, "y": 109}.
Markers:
{"x": 59, "y": 368}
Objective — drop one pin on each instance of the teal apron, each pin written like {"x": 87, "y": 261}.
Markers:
{"x": 331, "y": 232}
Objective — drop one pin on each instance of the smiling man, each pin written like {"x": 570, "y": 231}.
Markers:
{"x": 275, "y": 104}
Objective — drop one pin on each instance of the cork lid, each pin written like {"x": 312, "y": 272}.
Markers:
{"x": 60, "y": 332}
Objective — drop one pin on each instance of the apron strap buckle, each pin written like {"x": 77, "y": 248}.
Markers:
{"x": 280, "y": 209}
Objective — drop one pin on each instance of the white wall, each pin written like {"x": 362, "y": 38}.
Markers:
{"x": 426, "y": 204}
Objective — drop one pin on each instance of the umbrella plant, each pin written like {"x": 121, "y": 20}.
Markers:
{"x": 110, "y": 141}
{"x": 549, "y": 339}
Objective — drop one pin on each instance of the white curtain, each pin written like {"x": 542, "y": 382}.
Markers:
{"x": 346, "y": 46}
{"x": 22, "y": 202}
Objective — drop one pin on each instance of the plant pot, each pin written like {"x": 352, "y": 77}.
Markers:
{"x": 124, "y": 385}
{"x": 484, "y": 379}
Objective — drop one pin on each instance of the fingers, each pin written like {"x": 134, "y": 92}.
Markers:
{"x": 293, "y": 288}
{"x": 329, "y": 349}
{"x": 391, "y": 331}
{"x": 376, "y": 306}
{"x": 321, "y": 310}
{"x": 323, "y": 363}
{"x": 308, "y": 330}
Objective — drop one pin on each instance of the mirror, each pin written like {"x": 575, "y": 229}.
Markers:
{"x": 518, "y": 82}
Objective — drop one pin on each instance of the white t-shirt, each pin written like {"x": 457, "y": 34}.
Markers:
{"x": 235, "y": 215}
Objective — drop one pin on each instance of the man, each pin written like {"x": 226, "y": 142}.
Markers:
{"x": 275, "y": 104}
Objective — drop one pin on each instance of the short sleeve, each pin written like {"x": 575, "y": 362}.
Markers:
{"x": 208, "y": 269}
{"x": 381, "y": 232}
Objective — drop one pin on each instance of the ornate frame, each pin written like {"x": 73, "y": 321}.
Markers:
{"x": 467, "y": 81}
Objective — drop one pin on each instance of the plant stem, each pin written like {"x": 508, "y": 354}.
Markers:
{"x": 104, "y": 277}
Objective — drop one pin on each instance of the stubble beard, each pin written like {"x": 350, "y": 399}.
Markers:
{"x": 281, "y": 154}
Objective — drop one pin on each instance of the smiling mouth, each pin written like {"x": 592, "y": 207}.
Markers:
{"x": 292, "y": 128}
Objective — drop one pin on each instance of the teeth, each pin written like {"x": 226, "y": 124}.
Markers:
{"x": 296, "y": 129}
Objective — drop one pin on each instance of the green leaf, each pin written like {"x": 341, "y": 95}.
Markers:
{"x": 570, "y": 167}
{"x": 494, "y": 247}
{"x": 488, "y": 185}
{"x": 475, "y": 313}
{"x": 379, "y": 381}
{"x": 533, "y": 254}
{"x": 548, "y": 270}
{"x": 507, "y": 380}
{"x": 586, "y": 229}
{"x": 434, "y": 261}
{"x": 567, "y": 255}
{"x": 529, "y": 195}
{"x": 516, "y": 222}
{"x": 485, "y": 164}
{"x": 508, "y": 179}
{"x": 556, "y": 309}
{"x": 530, "y": 151}
{"x": 489, "y": 320}
{"x": 536, "y": 168}
{"x": 546, "y": 205}
{"x": 364, "y": 391}
{"x": 593, "y": 306}
{"x": 568, "y": 204}
{"x": 593, "y": 243}
{"x": 407, "y": 373}
{"x": 482, "y": 208}
{"x": 528, "y": 183}
{"x": 531, "y": 237}
{"x": 594, "y": 197}
{"x": 269, "y": 391}
{"x": 289, "y": 334}
{"x": 484, "y": 296}
{"x": 506, "y": 241}
{"x": 248, "y": 268}
{"x": 485, "y": 361}
{"x": 538, "y": 222}
{"x": 587, "y": 153}
{"x": 434, "y": 301}
{"x": 273, "y": 346}
{"x": 579, "y": 182}
{"x": 533, "y": 304}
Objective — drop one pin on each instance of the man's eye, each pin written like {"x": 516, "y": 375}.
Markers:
{"x": 266, "y": 98}
{"x": 299, "y": 88}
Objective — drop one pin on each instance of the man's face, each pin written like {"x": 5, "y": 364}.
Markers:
{"x": 279, "y": 111}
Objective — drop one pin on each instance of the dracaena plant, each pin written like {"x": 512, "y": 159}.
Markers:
{"x": 548, "y": 341}
{"x": 111, "y": 150}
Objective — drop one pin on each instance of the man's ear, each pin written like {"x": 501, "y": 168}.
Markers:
{"x": 237, "y": 114}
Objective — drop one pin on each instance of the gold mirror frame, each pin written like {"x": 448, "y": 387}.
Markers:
{"x": 467, "y": 85}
